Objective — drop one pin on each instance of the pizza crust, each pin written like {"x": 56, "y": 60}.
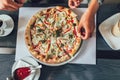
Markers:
{"x": 27, "y": 32}
{"x": 43, "y": 57}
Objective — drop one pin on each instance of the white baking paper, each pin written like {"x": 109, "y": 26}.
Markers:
{"x": 87, "y": 52}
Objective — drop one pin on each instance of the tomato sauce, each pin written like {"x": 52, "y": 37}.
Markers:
{"x": 22, "y": 73}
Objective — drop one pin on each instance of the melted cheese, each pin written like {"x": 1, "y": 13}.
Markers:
{"x": 35, "y": 40}
{"x": 58, "y": 25}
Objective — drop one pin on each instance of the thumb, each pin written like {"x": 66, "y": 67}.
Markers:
{"x": 71, "y": 3}
{"x": 15, "y": 5}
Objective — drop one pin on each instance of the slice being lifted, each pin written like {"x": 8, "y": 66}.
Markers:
{"x": 51, "y": 35}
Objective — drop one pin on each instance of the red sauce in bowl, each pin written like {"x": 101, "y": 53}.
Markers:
{"x": 21, "y": 73}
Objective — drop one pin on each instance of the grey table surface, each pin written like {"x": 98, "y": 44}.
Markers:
{"x": 105, "y": 11}
{"x": 106, "y": 69}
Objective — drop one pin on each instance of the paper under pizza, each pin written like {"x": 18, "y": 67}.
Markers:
{"x": 51, "y": 35}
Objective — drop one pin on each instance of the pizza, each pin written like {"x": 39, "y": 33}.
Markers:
{"x": 51, "y": 35}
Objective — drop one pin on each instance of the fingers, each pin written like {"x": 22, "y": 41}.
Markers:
{"x": 74, "y": 3}
{"x": 20, "y": 1}
{"x": 85, "y": 31}
{"x": 8, "y": 9}
{"x": 88, "y": 33}
{"x": 81, "y": 30}
{"x": 9, "y": 5}
{"x": 77, "y": 3}
{"x": 71, "y": 4}
{"x": 15, "y": 5}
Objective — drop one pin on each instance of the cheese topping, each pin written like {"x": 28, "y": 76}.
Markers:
{"x": 53, "y": 34}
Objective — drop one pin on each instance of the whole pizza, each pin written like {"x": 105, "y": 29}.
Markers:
{"x": 51, "y": 35}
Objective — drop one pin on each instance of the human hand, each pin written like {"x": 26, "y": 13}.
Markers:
{"x": 86, "y": 25}
{"x": 9, "y": 5}
{"x": 20, "y": 1}
{"x": 74, "y": 3}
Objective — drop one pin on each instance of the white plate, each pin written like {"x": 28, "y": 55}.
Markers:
{"x": 105, "y": 30}
{"x": 24, "y": 62}
{"x": 10, "y": 24}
